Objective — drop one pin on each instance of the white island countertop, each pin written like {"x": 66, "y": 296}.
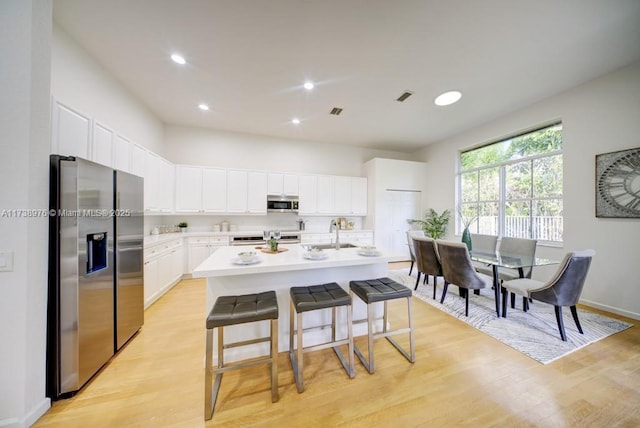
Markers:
{"x": 220, "y": 263}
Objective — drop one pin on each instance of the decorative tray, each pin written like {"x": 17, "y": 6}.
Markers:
{"x": 314, "y": 255}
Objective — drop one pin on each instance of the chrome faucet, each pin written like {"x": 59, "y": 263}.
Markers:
{"x": 334, "y": 226}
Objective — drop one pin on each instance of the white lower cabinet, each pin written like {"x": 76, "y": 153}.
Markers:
{"x": 201, "y": 247}
{"x": 163, "y": 266}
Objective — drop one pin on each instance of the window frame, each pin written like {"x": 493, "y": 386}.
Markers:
{"x": 502, "y": 186}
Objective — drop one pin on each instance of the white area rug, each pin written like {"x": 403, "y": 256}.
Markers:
{"x": 534, "y": 333}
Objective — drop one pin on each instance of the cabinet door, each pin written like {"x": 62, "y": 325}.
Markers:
{"x": 188, "y": 188}
{"x": 138, "y": 161}
{"x": 122, "y": 154}
{"x": 308, "y": 194}
{"x": 275, "y": 184}
{"x": 166, "y": 193}
{"x": 70, "y": 132}
{"x": 151, "y": 285}
{"x": 326, "y": 204}
{"x": 237, "y": 182}
{"x": 152, "y": 182}
{"x": 359, "y": 196}
{"x": 197, "y": 254}
{"x": 257, "y": 192}
{"x": 290, "y": 185}
{"x": 214, "y": 189}
{"x": 342, "y": 195}
{"x": 102, "y": 147}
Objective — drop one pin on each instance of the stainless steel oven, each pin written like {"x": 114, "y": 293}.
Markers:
{"x": 282, "y": 204}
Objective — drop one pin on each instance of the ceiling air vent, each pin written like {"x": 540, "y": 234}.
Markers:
{"x": 404, "y": 96}
{"x": 336, "y": 111}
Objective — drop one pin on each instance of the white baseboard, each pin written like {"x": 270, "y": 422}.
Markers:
{"x": 611, "y": 309}
{"x": 30, "y": 418}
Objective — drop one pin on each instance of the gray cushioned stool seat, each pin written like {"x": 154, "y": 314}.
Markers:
{"x": 318, "y": 297}
{"x": 230, "y": 310}
{"x": 378, "y": 290}
{"x": 372, "y": 291}
{"x": 311, "y": 298}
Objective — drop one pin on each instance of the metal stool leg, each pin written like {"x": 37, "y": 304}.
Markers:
{"x": 274, "y": 361}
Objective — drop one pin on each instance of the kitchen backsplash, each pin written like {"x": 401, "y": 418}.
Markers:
{"x": 205, "y": 223}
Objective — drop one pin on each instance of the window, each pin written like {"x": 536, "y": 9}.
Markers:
{"x": 513, "y": 187}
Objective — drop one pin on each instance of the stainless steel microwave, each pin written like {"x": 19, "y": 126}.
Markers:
{"x": 282, "y": 204}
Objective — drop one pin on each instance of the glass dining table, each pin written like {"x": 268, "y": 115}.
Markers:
{"x": 507, "y": 260}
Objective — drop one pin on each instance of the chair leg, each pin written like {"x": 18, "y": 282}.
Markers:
{"x": 426, "y": 279}
{"x": 563, "y": 335}
{"x": 513, "y": 301}
{"x": 574, "y": 312}
{"x": 444, "y": 291}
{"x": 466, "y": 303}
{"x": 417, "y": 281}
{"x": 504, "y": 302}
{"x": 274, "y": 361}
{"x": 435, "y": 284}
{"x": 525, "y": 304}
{"x": 411, "y": 268}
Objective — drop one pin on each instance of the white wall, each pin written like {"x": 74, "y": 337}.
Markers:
{"x": 598, "y": 117}
{"x": 79, "y": 82}
{"x": 25, "y": 46}
{"x": 236, "y": 150}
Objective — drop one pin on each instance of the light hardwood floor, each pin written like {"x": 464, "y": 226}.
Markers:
{"x": 461, "y": 378}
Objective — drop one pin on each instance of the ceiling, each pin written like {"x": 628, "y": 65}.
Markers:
{"x": 248, "y": 60}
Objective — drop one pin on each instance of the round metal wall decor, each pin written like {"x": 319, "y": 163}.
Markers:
{"x": 618, "y": 184}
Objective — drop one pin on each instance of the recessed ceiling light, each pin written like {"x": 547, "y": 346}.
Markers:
{"x": 203, "y": 107}
{"x": 447, "y": 98}
{"x": 308, "y": 86}
{"x": 295, "y": 121}
{"x": 178, "y": 59}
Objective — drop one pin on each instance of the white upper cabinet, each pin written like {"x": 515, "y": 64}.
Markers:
{"x": 166, "y": 186}
{"x": 102, "y": 145}
{"x": 246, "y": 192}
{"x": 188, "y": 188}
{"x": 282, "y": 184}
{"x": 342, "y": 194}
{"x": 122, "y": 154}
{"x": 326, "y": 194}
{"x": 333, "y": 195}
{"x": 308, "y": 197}
{"x": 214, "y": 189}
{"x": 359, "y": 196}
{"x": 257, "y": 192}
{"x": 201, "y": 189}
{"x": 138, "y": 160}
{"x": 158, "y": 184}
{"x": 70, "y": 132}
{"x": 237, "y": 188}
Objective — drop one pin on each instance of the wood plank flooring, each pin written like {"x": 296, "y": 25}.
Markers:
{"x": 461, "y": 378}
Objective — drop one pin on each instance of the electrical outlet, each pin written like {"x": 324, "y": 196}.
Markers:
{"x": 6, "y": 261}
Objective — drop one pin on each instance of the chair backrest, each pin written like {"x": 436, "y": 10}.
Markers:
{"x": 427, "y": 256}
{"x": 521, "y": 246}
{"x": 565, "y": 287}
{"x": 456, "y": 265}
{"x": 410, "y": 235}
{"x": 484, "y": 243}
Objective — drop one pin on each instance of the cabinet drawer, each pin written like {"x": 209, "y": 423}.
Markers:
{"x": 219, "y": 240}
{"x": 198, "y": 240}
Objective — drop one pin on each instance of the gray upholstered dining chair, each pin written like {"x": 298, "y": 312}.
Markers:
{"x": 428, "y": 260}
{"x": 514, "y": 246}
{"x": 458, "y": 270}
{"x": 484, "y": 244}
{"x": 563, "y": 289}
{"x": 411, "y": 234}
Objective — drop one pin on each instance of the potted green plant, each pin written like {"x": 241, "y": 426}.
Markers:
{"x": 434, "y": 225}
{"x": 183, "y": 226}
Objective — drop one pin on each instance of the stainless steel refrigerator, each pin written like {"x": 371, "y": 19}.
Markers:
{"x": 96, "y": 295}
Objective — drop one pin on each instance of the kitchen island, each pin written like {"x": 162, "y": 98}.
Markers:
{"x": 280, "y": 272}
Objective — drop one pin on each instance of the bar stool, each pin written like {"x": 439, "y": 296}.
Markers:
{"x": 233, "y": 310}
{"x": 382, "y": 290}
{"x": 315, "y": 297}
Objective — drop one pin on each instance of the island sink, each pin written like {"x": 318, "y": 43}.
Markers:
{"x": 332, "y": 246}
